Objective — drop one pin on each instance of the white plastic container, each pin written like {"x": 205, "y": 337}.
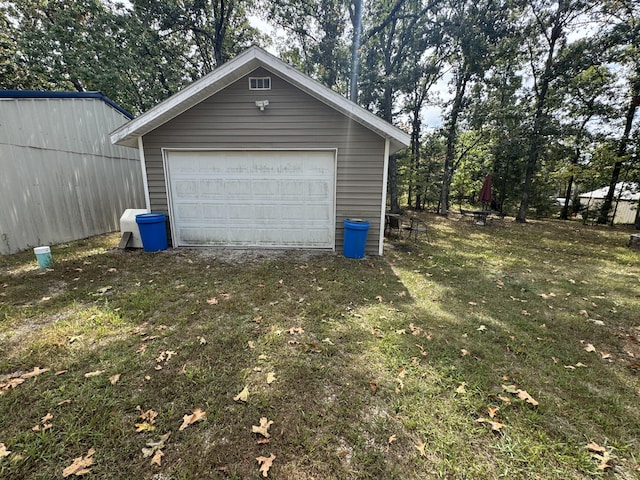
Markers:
{"x": 43, "y": 254}
{"x": 128, "y": 224}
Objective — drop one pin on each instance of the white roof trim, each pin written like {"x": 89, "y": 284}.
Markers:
{"x": 235, "y": 69}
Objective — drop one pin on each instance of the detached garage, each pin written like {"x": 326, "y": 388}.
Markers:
{"x": 256, "y": 154}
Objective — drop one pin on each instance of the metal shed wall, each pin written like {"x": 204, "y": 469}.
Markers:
{"x": 61, "y": 178}
{"x": 293, "y": 119}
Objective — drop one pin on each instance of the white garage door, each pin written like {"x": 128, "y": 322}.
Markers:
{"x": 252, "y": 198}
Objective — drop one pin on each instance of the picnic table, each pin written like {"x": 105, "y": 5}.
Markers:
{"x": 479, "y": 216}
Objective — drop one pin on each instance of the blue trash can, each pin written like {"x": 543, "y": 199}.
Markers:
{"x": 153, "y": 231}
{"x": 355, "y": 237}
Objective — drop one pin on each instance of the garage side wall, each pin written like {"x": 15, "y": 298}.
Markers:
{"x": 61, "y": 178}
{"x": 293, "y": 119}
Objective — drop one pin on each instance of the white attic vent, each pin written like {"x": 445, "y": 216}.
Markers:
{"x": 259, "y": 83}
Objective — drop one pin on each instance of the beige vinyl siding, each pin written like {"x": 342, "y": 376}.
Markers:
{"x": 293, "y": 119}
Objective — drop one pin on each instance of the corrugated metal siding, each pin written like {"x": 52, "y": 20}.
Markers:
{"x": 293, "y": 119}
{"x": 62, "y": 179}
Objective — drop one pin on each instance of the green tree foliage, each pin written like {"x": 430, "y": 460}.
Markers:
{"x": 318, "y": 38}
{"x": 138, "y": 54}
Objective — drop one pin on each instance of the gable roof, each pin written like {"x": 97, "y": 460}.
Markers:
{"x": 58, "y": 94}
{"x": 630, "y": 191}
{"x": 234, "y": 70}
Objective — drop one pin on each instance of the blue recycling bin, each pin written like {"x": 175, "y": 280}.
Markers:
{"x": 355, "y": 237}
{"x": 153, "y": 231}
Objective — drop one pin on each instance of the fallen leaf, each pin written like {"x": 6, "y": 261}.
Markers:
{"x": 144, "y": 427}
{"x": 525, "y": 313}
{"x": 212, "y": 301}
{"x": 373, "y": 385}
{"x": 392, "y": 439}
{"x": 157, "y": 458}
{"x": 263, "y": 428}
{"x": 265, "y": 462}
{"x": 64, "y": 402}
{"x": 605, "y": 355}
{"x": 35, "y": 372}
{"x": 3, "y": 451}
{"x": 61, "y": 372}
{"x": 93, "y": 374}
{"x": 271, "y": 377}
{"x": 251, "y": 344}
{"x": 493, "y": 411}
{"x": 202, "y": 341}
{"x": 294, "y": 330}
{"x": 594, "y": 447}
{"x": 154, "y": 446}
{"x": 243, "y": 396}
{"x": 420, "y": 446}
{"x": 523, "y": 395}
{"x": 510, "y": 389}
{"x": 506, "y": 400}
{"x": 462, "y": 388}
{"x": 114, "y": 378}
{"x": 379, "y": 298}
{"x": 590, "y": 348}
{"x": 481, "y": 328}
{"x": 196, "y": 416}
{"x": 80, "y": 465}
{"x": 495, "y": 426}
{"x": 473, "y": 304}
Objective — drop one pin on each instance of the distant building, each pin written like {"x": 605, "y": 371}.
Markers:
{"x": 625, "y": 201}
{"x": 62, "y": 179}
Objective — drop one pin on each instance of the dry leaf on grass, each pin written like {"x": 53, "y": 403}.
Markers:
{"x": 462, "y": 388}
{"x": 212, "y": 301}
{"x": 156, "y": 460}
{"x": 35, "y": 372}
{"x": 495, "y": 426}
{"x": 523, "y": 395}
{"x": 392, "y": 439}
{"x": 196, "y": 416}
{"x": 243, "y": 396}
{"x": 421, "y": 446}
{"x": 265, "y": 463}
{"x": 263, "y": 428}
{"x": 93, "y": 374}
{"x": 3, "y": 451}
{"x": 590, "y": 348}
{"x": 594, "y": 447}
{"x": 154, "y": 449}
{"x": 493, "y": 411}
{"x": 271, "y": 377}
{"x": 114, "y": 378}
{"x": 44, "y": 423}
{"x": 80, "y": 465}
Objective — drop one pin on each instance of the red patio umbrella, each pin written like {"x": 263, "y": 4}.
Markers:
{"x": 485, "y": 193}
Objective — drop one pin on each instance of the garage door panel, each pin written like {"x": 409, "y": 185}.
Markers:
{"x": 252, "y": 198}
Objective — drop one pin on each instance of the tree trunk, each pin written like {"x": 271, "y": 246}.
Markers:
{"x": 622, "y": 149}
{"x": 452, "y": 136}
{"x": 564, "y": 215}
{"x": 355, "y": 51}
{"x": 539, "y": 119}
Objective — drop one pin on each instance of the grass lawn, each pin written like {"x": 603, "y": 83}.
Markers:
{"x": 489, "y": 352}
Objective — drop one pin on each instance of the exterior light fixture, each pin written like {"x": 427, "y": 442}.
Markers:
{"x": 261, "y": 104}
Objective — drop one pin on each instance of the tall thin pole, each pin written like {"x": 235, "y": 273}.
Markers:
{"x": 355, "y": 50}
